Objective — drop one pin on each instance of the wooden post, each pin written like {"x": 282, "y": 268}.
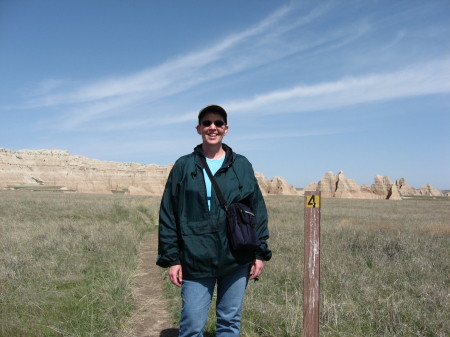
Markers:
{"x": 311, "y": 280}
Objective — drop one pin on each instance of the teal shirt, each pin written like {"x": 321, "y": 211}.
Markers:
{"x": 214, "y": 165}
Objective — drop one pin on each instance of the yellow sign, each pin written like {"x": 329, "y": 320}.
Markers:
{"x": 312, "y": 201}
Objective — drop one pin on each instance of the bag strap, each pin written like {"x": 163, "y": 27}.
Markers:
{"x": 219, "y": 194}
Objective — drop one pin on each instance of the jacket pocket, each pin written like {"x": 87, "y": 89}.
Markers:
{"x": 197, "y": 227}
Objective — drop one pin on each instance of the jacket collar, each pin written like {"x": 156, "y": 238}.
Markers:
{"x": 229, "y": 155}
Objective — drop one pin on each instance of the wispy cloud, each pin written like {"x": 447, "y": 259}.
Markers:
{"x": 171, "y": 77}
{"x": 110, "y": 100}
{"x": 235, "y": 53}
{"x": 418, "y": 80}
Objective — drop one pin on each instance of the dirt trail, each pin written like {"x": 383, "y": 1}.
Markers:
{"x": 151, "y": 318}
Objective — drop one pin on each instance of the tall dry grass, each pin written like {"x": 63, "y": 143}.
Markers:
{"x": 385, "y": 270}
{"x": 66, "y": 261}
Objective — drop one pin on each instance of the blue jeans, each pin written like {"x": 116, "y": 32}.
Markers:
{"x": 197, "y": 295}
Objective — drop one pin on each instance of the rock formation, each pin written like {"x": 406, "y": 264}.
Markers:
{"x": 311, "y": 187}
{"x": 426, "y": 190}
{"x": 280, "y": 186}
{"x": 430, "y": 191}
{"x": 339, "y": 186}
{"x": 394, "y": 193}
{"x": 327, "y": 185}
{"x": 61, "y": 170}
{"x": 404, "y": 188}
{"x": 384, "y": 188}
{"x": 58, "y": 170}
{"x": 275, "y": 185}
{"x": 345, "y": 187}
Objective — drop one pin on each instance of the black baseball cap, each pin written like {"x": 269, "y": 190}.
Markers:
{"x": 212, "y": 108}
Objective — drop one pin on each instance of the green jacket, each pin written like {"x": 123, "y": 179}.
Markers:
{"x": 192, "y": 235}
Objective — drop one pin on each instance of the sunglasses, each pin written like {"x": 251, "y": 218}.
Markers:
{"x": 217, "y": 123}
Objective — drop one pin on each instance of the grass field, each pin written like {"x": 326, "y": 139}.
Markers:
{"x": 385, "y": 270}
{"x": 66, "y": 262}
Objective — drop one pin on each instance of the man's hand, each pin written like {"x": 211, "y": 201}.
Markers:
{"x": 256, "y": 269}
{"x": 176, "y": 274}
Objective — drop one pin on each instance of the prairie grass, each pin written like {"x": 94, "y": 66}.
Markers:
{"x": 66, "y": 261}
{"x": 385, "y": 270}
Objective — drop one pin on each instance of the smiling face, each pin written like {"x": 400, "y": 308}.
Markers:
{"x": 212, "y": 134}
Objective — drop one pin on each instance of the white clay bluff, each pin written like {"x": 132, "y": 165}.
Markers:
{"x": 58, "y": 170}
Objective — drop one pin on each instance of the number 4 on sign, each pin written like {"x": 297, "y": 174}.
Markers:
{"x": 312, "y": 201}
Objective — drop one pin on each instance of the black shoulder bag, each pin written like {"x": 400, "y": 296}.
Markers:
{"x": 241, "y": 220}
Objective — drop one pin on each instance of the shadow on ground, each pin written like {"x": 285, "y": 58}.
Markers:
{"x": 169, "y": 333}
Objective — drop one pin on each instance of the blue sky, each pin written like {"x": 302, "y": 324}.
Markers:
{"x": 310, "y": 86}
